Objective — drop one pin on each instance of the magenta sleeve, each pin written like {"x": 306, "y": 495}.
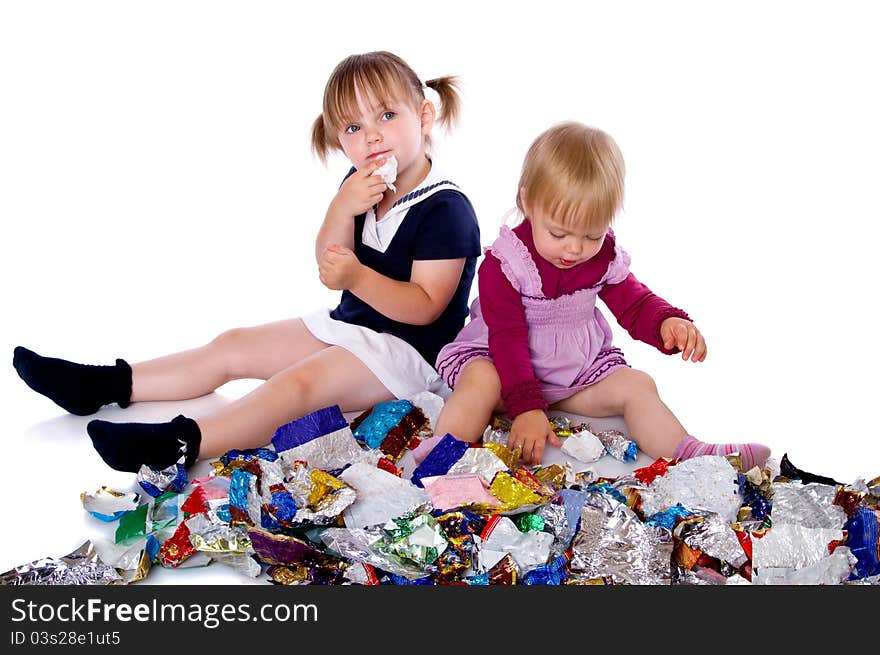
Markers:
{"x": 505, "y": 318}
{"x": 640, "y": 311}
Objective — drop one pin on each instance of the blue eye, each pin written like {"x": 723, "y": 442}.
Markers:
{"x": 388, "y": 115}
{"x": 351, "y": 129}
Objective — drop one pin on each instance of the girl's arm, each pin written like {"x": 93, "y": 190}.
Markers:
{"x": 505, "y": 318}
{"x": 640, "y": 311}
{"x": 358, "y": 192}
{"x": 418, "y": 302}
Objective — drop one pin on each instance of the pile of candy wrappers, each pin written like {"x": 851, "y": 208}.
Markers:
{"x": 328, "y": 505}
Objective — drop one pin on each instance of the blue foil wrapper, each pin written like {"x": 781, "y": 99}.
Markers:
{"x": 247, "y": 455}
{"x": 667, "y": 518}
{"x": 171, "y": 479}
{"x": 239, "y": 486}
{"x": 311, "y": 426}
{"x": 384, "y": 416}
{"x": 574, "y": 504}
{"x": 481, "y": 579}
{"x": 754, "y": 498}
{"x": 280, "y": 513}
{"x": 862, "y": 531}
{"x": 553, "y": 573}
{"x": 438, "y": 462}
{"x": 400, "y": 580}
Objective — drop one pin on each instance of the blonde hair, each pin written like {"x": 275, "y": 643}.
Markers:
{"x": 575, "y": 174}
{"x": 384, "y": 76}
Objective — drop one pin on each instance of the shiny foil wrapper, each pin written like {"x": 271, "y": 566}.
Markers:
{"x": 329, "y": 573}
{"x": 708, "y": 483}
{"x": 561, "y": 426}
{"x": 501, "y": 537}
{"x": 467, "y": 490}
{"x": 862, "y": 539}
{"x": 132, "y": 561}
{"x": 711, "y": 535}
{"x": 438, "y": 462}
{"x": 373, "y": 426}
{"x": 617, "y": 444}
{"x": 482, "y": 461}
{"x": 556, "y": 523}
{"x": 158, "y": 514}
{"x": 363, "y": 545}
{"x": 320, "y": 497}
{"x": 792, "y": 546}
{"x": 419, "y": 540}
{"x": 282, "y": 549}
{"x": 810, "y": 505}
{"x": 554, "y": 573}
{"x": 555, "y": 475}
{"x": 81, "y": 567}
{"x": 108, "y": 504}
{"x": 210, "y": 537}
{"x": 241, "y": 563}
{"x": 328, "y": 452}
{"x": 513, "y": 493}
{"x": 157, "y": 481}
{"x": 177, "y": 548}
{"x": 503, "y": 453}
{"x": 584, "y": 447}
{"x": 613, "y": 543}
{"x": 504, "y": 572}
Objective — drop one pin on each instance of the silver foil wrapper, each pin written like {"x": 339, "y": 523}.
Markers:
{"x": 81, "y": 567}
{"x": 707, "y": 483}
{"x": 613, "y": 543}
{"x": 240, "y": 563}
{"x": 810, "y": 505}
{"x": 556, "y": 524}
{"x": 715, "y": 537}
{"x": 329, "y": 452}
{"x": 528, "y": 549}
{"x": 481, "y": 461}
{"x": 361, "y": 545}
{"x": 618, "y": 445}
{"x": 210, "y": 537}
{"x": 300, "y": 484}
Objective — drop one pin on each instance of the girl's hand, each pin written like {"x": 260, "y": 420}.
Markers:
{"x": 361, "y": 190}
{"x": 339, "y": 268}
{"x": 681, "y": 333}
{"x": 531, "y": 430}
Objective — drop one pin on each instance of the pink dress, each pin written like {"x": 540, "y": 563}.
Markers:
{"x": 569, "y": 338}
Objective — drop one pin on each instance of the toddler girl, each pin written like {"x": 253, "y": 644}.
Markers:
{"x": 402, "y": 248}
{"x": 536, "y": 339}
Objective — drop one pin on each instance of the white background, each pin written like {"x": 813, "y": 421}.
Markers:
{"x": 156, "y": 188}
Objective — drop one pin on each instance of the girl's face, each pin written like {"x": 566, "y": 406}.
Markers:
{"x": 563, "y": 246}
{"x": 384, "y": 128}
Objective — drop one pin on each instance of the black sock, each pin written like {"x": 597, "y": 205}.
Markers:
{"x": 126, "y": 446}
{"x": 80, "y": 389}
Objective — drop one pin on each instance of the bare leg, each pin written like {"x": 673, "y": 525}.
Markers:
{"x": 468, "y": 410}
{"x": 330, "y": 376}
{"x": 253, "y": 352}
{"x": 633, "y": 394}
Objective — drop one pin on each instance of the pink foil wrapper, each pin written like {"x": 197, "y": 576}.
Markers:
{"x": 451, "y": 491}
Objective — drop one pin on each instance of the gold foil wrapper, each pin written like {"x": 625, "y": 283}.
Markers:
{"x": 512, "y": 492}
{"x": 503, "y": 453}
{"x": 554, "y": 474}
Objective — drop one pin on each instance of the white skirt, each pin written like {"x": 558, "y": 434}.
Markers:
{"x": 398, "y": 365}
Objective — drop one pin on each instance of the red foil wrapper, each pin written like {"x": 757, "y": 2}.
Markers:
{"x": 657, "y": 469}
{"x": 177, "y": 548}
{"x": 504, "y": 571}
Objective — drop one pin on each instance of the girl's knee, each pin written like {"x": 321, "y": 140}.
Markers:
{"x": 637, "y": 383}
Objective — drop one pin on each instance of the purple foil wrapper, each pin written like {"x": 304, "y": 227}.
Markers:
{"x": 311, "y": 426}
{"x": 438, "y": 462}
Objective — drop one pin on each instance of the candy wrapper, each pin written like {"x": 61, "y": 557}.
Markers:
{"x": 792, "y": 546}
{"x": 420, "y": 539}
{"x": 810, "y": 505}
{"x": 438, "y": 462}
{"x": 450, "y": 491}
{"x": 501, "y": 537}
{"x": 360, "y": 545}
{"x": 833, "y": 569}
{"x": 81, "y": 567}
{"x": 482, "y": 461}
{"x": 584, "y": 447}
{"x": 109, "y": 504}
{"x": 318, "y": 496}
{"x": 388, "y": 171}
{"x": 381, "y": 496}
{"x": 158, "y": 514}
{"x": 613, "y": 543}
{"x": 709, "y": 483}
{"x": 616, "y": 444}
{"x": 157, "y": 481}
{"x": 862, "y": 530}
{"x": 390, "y": 426}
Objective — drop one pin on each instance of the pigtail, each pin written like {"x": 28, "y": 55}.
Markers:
{"x": 319, "y": 139}
{"x": 449, "y": 90}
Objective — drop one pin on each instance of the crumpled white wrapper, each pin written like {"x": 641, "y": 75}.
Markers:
{"x": 481, "y": 461}
{"x": 381, "y": 496}
{"x": 708, "y": 482}
{"x": 809, "y": 505}
{"x": 529, "y": 549}
{"x": 792, "y": 546}
{"x": 584, "y": 446}
{"x": 388, "y": 171}
{"x": 833, "y": 569}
